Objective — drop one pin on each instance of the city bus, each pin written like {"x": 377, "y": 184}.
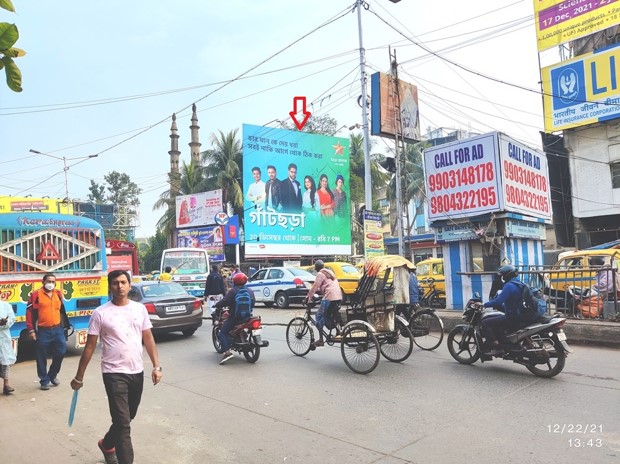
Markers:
{"x": 122, "y": 255}
{"x": 71, "y": 247}
{"x": 190, "y": 267}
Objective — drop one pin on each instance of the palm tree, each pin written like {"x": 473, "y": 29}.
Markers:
{"x": 414, "y": 178}
{"x": 223, "y": 165}
{"x": 358, "y": 170}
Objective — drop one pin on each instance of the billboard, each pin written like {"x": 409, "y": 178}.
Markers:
{"x": 486, "y": 174}
{"x": 558, "y": 21}
{"x": 296, "y": 193}
{"x": 582, "y": 91}
{"x": 209, "y": 238}
{"x": 373, "y": 235}
{"x": 198, "y": 209}
{"x": 36, "y": 205}
{"x": 384, "y": 107}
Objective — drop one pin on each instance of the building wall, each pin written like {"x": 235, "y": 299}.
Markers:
{"x": 593, "y": 148}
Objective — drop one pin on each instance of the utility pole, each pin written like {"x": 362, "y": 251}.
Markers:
{"x": 365, "y": 128}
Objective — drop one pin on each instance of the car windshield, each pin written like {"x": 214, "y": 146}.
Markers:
{"x": 298, "y": 272}
{"x": 163, "y": 289}
{"x": 348, "y": 269}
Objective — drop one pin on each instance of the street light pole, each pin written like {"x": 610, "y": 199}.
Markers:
{"x": 367, "y": 178}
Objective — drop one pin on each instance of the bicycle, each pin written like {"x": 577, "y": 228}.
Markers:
{"x": 426, "y": 327}
{"x": 432, "y": 297}
{"x": 360, "y": 343}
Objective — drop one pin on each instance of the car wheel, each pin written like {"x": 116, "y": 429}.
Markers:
{"x": 188, "y": 332}
{"x": 281, "y": 300}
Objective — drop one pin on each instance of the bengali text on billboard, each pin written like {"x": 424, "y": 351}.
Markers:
{"x": 373, "y": 235}
{"x": 209, "y": 238}
{"x": 296, "y": 193}
{"x": 560, "y": 21}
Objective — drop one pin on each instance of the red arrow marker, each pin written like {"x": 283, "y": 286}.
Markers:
{"x": 307, "y": 114}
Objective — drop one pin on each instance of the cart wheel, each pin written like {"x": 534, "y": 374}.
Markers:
{"x": 359, "y": 348}
{"x": 299, "y": 336}
{"x": 427, "y": 329}
{"x": 397, "y": 346}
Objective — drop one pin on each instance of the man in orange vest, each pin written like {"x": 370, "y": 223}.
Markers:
{"x": 46, "y": 320}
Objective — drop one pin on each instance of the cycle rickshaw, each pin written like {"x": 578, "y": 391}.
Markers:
{"x": 366, "y": 327}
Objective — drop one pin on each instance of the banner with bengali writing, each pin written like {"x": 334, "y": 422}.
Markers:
{"x": 296, "y": 193}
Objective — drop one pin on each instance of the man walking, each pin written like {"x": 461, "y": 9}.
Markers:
{"x": 123, "y": 326}
{"x": 46, "y": 320}
{"x": 214, "y": 288}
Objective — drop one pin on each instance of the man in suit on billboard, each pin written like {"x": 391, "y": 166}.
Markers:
{"x": 272, "y": 189}
{"x": 290, "y": 191}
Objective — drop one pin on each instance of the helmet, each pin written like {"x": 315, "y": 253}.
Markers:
{"x": 508, "y": 271}
{"x": 239, "y": 279}
{"x": 319, "y": 264}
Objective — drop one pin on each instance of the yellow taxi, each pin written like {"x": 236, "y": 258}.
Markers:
{"x": 348, "y": 276}
{"x": 432, "y": 267}
{"x": 575, "y": 268}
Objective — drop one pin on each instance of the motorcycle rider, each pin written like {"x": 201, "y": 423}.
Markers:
{"x": 509, "y": 316}
{"x": 239, "y": 280}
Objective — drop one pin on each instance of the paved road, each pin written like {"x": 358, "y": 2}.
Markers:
{"x": 315, "y": 410}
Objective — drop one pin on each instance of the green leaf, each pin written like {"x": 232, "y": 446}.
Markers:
{"x": 8, "y": 35}
{"x": 7, "y": 5}
{"x": 13, "y": 74}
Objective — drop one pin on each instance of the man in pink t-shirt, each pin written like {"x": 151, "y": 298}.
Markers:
{"x": 123, "y": 326}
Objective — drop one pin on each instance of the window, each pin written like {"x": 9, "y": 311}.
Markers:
{"x": 487, "y": 254}
{"x": 615, "y": 175}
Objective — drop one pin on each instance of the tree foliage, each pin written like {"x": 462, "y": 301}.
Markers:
{"x": 149, "y": 255}
{"x": 9, "y": 34}
{"x": 119, "y": 187}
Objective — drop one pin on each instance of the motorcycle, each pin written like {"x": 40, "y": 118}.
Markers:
{"x": 540, "y": 346}
{"x": 245, "y": 337}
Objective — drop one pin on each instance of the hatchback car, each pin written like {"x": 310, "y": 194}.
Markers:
{"x": 576, "y": 269}
{"x": 280, "y": 286}
{"x": 169, "y": 305}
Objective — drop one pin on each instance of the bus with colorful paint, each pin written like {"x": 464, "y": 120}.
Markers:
{"x": 71, "y": 247}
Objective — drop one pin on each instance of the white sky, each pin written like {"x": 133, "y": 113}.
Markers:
{"x": 99, "y": 52}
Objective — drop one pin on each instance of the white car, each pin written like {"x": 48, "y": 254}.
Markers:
{"x": 280, "y": 285}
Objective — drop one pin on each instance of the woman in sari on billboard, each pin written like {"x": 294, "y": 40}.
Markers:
{"x": 340, "y": 198}
{"x": 326, "y": 198}
{"x": 310, "y": 202}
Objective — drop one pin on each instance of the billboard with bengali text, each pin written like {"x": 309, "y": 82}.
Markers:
{"x": 582, "y": 91}
{"x": 37, "y": 205}
{"x": 209, "y": 238}
{"x": 296, "y": 193}
{"x": 198, "y": 209}
{"x": 486, "y": 174}
{"x": 373, "y": 235}
{"x": 560, "y": 21}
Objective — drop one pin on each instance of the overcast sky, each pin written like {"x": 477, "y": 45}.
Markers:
{"x": 105, "y": 77}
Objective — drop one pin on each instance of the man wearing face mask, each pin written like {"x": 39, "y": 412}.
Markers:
{"x": 46, "y": 319}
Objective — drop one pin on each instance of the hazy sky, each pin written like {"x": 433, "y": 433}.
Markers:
{"x": 97, "y": 75}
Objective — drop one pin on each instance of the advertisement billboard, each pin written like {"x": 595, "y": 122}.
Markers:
{"x": 559, "y": 21}
{"x": 209, "y": 238}
{"x": 373, "y": 235}
{"x": 384, "y": 107}
{"x": 486, "y": 174}
{"x": 35, "y": 205}
{"x": 582, "y": 91}
{"x": 198, "y": 209}
{"x": 296, "y": 193}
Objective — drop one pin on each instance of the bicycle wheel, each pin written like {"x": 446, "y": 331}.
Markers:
{"x": 397, "y": 346}
{"x": 437, "y": 301}
{"x": 299, "y": 336}
{"x": 427, "y": 329}
{"x": 359, "y": 348}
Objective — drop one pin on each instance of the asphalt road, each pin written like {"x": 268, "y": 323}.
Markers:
{"x": 428, "y": 409}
